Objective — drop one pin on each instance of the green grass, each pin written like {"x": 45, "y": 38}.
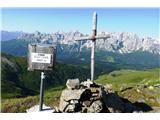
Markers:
{"x": 18, "y": 104}
{"x": 129, "y": 84}
{"x": 51, "y": 98}
{"x": 130, "y": 78}
{"x": 135, "y": 85}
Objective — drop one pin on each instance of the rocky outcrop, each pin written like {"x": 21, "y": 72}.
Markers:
{"x": 8, "y": 63}
{"x": 90, "y": 97}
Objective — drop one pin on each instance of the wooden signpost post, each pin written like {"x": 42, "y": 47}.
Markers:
{"x": 41, "y": 57}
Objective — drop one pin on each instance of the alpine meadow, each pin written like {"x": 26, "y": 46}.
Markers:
{"x": 111, "y": 65}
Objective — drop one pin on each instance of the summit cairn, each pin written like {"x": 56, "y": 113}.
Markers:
{"x": 85, "y": 98}
{"x": 90, "y": 97}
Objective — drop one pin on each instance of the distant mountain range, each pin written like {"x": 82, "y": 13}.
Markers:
{"x": 119, "y": 42}
{"x": 122, "y": 50}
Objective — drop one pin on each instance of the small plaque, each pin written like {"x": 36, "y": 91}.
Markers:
{"x": 41, "y": 56}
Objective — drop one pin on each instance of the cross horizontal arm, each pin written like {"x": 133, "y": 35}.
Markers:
{"x": 79, "y": 38}
{"x": 83, "y": 38}
{"x": 102, "y": 37}
{"x": 90, "y": 38}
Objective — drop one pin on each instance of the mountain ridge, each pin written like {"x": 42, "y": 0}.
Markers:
{"x": 120, "y": 42}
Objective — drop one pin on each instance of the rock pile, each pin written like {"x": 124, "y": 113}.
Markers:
{"x": 89, "y": 97}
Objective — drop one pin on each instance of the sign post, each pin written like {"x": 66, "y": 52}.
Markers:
{"x": 41, "y": 57}
{"x": 41, "y": 92}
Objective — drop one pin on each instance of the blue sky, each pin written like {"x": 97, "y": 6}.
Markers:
{"x": 143, "y": 21}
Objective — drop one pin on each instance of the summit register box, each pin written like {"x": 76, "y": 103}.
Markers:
{"x": 41, "y": 57}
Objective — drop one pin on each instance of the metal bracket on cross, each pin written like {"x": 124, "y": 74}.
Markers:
{"x": 93, "y": 38}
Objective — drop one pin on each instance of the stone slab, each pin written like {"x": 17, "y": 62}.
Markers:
{"x": 36, "y": 109}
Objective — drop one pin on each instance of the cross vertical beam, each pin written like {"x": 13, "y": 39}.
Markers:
{"x": 93, "y": 39}
{"x": 94, "y": 33}
{"x": 92, "y": 60}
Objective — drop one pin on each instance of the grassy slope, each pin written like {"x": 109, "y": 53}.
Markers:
{"x": 13, "y": 83}
{"x": 18, "y": 82}
{"x": 130, "y": 84}
{"x": 51, "y": 98}
{"x": 134, "y": 85}
{"x": 137, "y": 86}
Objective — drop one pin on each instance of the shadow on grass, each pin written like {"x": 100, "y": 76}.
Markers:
{"x": 138, "y": 106}
{"x": 143, "y": 106}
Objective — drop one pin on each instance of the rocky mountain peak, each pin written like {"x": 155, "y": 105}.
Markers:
{"x": 121, "y": 42}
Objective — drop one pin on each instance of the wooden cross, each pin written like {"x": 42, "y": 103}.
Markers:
{"x": 93, "y": 38}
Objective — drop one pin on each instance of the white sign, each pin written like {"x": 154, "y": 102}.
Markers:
{"x": 41, "y": 57}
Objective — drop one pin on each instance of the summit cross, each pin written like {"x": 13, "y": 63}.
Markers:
{"x": 93, "y": 38}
